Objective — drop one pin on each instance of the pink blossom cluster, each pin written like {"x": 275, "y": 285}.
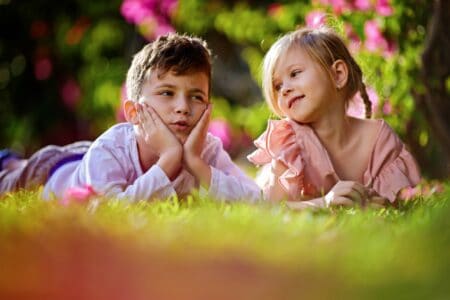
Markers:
{"x": 381, "y": 7}
{"x": 375, "y": 41}
{"x": 151, "y": 16}
{"x": 221, "y": 129}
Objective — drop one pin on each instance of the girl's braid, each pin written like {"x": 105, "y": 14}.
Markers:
{"x": 365, "y": 97}
{"x": 361, "y": 87}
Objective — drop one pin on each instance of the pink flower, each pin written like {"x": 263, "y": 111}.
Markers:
{"x": 134, "y": 11}
{"x": 409, "y": 193}
{"x": 222, "y": 130}
{"x": 339, "y": 6}
{"x": 70, "y": 93}
{"x": 78, "y": 195}
{"x": 354, "y": 40}
{"x": 363, "y": 5}
{"x": 383, "y": 8}
{"x": 43, "y": 68}
{"x": 274, "y": 9}
{"x": 375, "y": 40}
{"x": 151, "y": 16}
{"x": 315, "y": 19}
{"x": 356, "y": 107}
{"x": 387, "y": 108}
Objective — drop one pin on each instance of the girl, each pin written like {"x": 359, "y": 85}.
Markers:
{"x": 317, "y": 155}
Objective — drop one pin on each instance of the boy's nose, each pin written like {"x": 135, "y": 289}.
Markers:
{"x": 182, "y": 106}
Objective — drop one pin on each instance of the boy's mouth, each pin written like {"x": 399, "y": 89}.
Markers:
{"x": 180, "y": 125}
{"x": 293, "y": 100}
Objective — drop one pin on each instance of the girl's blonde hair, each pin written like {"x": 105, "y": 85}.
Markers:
{"x": 325, "y": 46}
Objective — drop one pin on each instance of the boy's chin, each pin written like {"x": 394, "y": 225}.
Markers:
{"x": 182, "y": 138}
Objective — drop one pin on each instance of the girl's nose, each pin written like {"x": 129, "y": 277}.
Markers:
{"x": 286, "y": 89}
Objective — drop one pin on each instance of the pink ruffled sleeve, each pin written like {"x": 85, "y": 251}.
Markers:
{"x": 279, "y": 142}
{"x": 392, "y": 167}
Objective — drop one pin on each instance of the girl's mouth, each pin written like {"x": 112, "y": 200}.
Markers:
{"x": 292, "y": 101}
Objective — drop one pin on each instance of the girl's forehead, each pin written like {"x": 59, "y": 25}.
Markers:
{"x": 289, "y": 57}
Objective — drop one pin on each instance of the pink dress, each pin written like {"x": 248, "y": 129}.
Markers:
{"x": 310, "y": 172}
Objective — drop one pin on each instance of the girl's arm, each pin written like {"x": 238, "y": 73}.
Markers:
{"x": 273, "y": 190}
{"x": 344, "y": 193}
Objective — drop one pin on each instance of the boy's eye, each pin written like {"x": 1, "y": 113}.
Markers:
{"x": 198, "y": 98}
{"x": 166, "y": 93}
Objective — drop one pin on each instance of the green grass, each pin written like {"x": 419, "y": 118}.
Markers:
{"x": 204, "y": 249}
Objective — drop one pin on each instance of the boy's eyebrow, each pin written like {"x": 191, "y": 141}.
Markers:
{"x": 168, "y": 85}
{"x": 196, "y": 90}
{"x": 165, "y": 85}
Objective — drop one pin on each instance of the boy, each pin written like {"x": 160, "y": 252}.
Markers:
{"x": 164, "y": 149}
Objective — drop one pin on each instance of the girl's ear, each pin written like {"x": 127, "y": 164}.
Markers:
{"x": 340, "y": 73}
{"x": 129, "y": 108}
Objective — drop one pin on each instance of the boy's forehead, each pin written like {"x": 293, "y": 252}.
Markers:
{"x": 193, "y": 79}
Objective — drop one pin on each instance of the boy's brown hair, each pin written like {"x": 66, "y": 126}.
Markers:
{"x": 181, "y": 54}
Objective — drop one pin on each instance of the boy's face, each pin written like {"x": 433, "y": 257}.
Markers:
{"x": 179, "y": 100}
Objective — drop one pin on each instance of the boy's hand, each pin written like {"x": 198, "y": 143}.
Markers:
{"x": 192, "y": 150}
{"x": 160, "y": 139}
{"x": 193, "y": 146}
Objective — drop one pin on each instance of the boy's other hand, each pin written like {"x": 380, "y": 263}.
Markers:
{"x": 192, "y": 150}
{"x": 193, "y": 146}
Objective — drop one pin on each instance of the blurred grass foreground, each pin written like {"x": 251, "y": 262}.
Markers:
{"x": 204, "y": 249}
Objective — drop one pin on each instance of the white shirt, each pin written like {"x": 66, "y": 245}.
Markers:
{"x": 111, "y": 166}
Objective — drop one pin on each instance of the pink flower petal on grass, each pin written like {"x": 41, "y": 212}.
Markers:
{"x": 78, "y": 195}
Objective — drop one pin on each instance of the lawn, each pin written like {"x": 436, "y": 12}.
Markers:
{"x": 203, "y": 249}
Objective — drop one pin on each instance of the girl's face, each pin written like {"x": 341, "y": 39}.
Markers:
{"x": 179, "y": 100}
{"x": 303, "y": 89}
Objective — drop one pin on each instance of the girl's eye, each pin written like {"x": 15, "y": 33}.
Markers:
{"x": 277, "y": 87}
{"x": 295, "y": 73}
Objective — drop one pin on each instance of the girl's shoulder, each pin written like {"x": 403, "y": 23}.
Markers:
{"x": 377, "y": 132}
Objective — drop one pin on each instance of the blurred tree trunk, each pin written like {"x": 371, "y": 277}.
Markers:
{"x": 434, "y": 100}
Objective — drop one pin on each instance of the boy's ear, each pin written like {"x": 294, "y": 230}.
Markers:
{"x": 340, "y": 73}
{"x": 129, "y": 108}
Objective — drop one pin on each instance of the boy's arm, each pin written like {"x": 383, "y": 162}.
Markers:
{"x": 228, "y": 181}
{"x": 108, "y": 169}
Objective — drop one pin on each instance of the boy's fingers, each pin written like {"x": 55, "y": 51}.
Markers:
{"x": 204, "y": 120}
{"x": 155, "y": 117}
